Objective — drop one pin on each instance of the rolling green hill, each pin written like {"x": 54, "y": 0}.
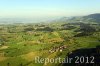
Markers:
{"x": 21, "y": 43}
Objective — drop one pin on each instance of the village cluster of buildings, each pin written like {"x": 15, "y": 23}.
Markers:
{"x": 56, "y": 49}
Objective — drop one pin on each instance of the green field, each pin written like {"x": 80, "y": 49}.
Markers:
{"x": 21, "y": 43}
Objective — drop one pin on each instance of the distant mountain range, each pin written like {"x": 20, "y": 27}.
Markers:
{"x": 87, "y": 18}
{"x": 94, "y": 17}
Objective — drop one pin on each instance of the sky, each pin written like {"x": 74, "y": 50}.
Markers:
{"x": 47, "y": 8}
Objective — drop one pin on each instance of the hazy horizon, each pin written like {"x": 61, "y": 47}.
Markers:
{"x": 40, "y": 10}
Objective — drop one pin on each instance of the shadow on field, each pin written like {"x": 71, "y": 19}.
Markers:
{"x": 84, "y": 57}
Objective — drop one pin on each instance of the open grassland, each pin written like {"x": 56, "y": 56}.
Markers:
{"x": 21, "y": 43}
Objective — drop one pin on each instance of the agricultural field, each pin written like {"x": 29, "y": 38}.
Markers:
{"x": 21, "y": 43}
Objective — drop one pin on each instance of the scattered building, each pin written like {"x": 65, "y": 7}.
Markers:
{"x": 56, "y": 49}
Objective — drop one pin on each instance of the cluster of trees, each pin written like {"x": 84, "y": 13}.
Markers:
{"x": 48, "y": 29}
{"x": 67, "y": 27}
{"x": 85, "y": 30}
